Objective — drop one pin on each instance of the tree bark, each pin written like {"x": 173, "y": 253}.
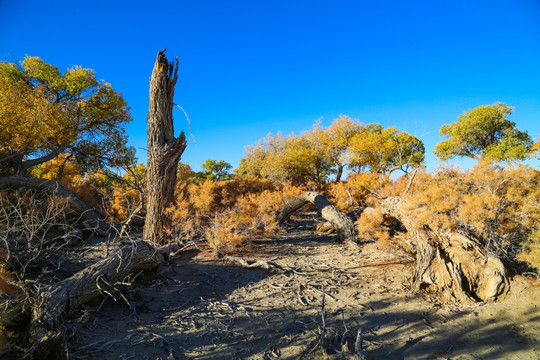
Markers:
{"x": 164, "y": 150}
{"x": 89, "y": 217}
{"x": 341, "y": 222}
{"x": 340, "y": 168}
{"x": 449, "y": 262}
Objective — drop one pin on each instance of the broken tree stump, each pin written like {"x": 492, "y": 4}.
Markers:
{"x": 164, "y": 149}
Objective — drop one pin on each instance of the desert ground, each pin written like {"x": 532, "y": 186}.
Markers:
{"x": 200, "y": 306}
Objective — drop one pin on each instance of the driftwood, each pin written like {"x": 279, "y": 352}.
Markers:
{"x": 164, "y": 149}
{"x": 340, "y": 221}
{"x": 89, "y": 218}
{"x": 57, "y": 303}
{"x": 259, "y": 264}
{"x": 449, "y": 262}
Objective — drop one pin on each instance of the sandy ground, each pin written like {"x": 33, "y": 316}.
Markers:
{"x": 201, "y": 307}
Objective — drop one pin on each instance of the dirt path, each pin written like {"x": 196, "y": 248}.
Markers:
{"x": 200, "y": 307}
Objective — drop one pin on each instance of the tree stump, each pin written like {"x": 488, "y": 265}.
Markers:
{"x": 164, "y": 150}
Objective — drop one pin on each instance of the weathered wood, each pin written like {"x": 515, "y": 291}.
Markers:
{"x": 164, "y": 149}
{"x": 58, "y": 302}
{"x": 449, "y": 262}
{"x": 340, "y": 221}
{"x": 89, "y": 218}
{"x": 258, "y": 264}
{"x": 327, "y": 228}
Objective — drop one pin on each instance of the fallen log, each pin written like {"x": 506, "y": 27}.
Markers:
{"x": 327, "y": 227}
{"x": 57, "y": 303}
{"x": 449, "y": 262}
{"x": 340, "y": 221}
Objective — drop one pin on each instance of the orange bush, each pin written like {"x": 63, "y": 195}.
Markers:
{"x": 499, "y": 206}
{"x": 353, "y": 193}
{"x": 228, "y": 213}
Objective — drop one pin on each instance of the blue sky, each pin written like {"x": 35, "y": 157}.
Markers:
{"x": 252, "y": 67}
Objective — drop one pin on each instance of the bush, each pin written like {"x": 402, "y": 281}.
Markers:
{"x": 227, "y": 214}
{"x": 498, "y": 206}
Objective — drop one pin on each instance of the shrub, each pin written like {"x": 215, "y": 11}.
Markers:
{"x": 227, "y": 214}
{"x": 346, "y": 196}
{"x": 498, "y": 206}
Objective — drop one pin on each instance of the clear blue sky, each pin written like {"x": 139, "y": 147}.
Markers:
{"x": 252, "y": 67}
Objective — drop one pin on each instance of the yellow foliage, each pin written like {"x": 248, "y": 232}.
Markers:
{"x": 65, "y": 171}
{"x": 44, "y": 112}
{"x": 349, "y": 195}
{"x": 531, "y": 251}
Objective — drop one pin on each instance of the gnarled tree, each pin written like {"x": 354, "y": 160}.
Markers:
{"x": 447, "y": 261}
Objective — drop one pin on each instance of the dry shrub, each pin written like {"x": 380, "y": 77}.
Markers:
{"x": 346, "y": 196}
{"x": 67, "y": 173}
{"x": 404, "y": 184}
{"x": 124, "y": 201}
{"x": 340, "y": 196}
{"x": 370, "y": 225}
{"x": 531, "y": 251}
{"x": 227, "y": 214}
{"x": 498, "y": 206}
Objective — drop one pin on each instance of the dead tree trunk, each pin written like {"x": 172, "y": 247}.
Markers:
{"x": 164, "y": 150}
{"x": 57, "y": 303}
{"x": 341, "y": 222}
{"x": 89, "y": 217}
{"x": 449, "y": 262}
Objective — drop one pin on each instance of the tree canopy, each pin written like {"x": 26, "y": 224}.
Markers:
{"x": 385, "y": 150}
{"x": 335, "y": 141}
{"x": 484, "y": 133}
{"x": 44, "y": 113}
{"x": 316, "y": 154}
{"x": 281, "y": 158}
{"x": 217, "y": 170}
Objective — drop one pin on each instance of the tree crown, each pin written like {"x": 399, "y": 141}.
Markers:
{"x": 44, "y": 113}
{"x": 484, "y": 133}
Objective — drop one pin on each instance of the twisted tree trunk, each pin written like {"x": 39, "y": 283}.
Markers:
{"x": 340, "y": 221}
{"x": 449, "y": 262}
{"x": 164, "y": 150}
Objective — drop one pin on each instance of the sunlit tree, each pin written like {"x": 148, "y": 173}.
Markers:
{"x": 385, "y": 150}
{"x": 484, "y": 133}
{"x": 281, "y": 158}
{"x": 44, "y": 113}
{"x": 334, "y": 141}
{"x": 217, "y": 170}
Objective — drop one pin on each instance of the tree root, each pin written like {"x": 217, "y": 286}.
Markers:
{"x": 449, "y": 262}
